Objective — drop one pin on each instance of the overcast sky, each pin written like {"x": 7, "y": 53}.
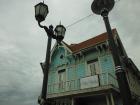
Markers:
{"x": 23, "y": 43}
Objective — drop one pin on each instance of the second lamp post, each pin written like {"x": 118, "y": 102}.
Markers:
{"x": 103, "y": 7}
{"x": 41, "y": 11}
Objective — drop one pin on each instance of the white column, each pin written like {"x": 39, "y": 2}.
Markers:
{"x": 112, "y": 99}
{"x": 107, "y": 100}
{"x": 72, "y": 101}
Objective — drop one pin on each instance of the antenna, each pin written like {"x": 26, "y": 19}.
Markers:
{"x": 60, "y": 22}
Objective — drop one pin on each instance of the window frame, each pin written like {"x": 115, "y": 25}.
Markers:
{"x": 97, "y": 68}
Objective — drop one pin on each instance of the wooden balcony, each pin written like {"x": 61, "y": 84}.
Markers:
{"x": 82, "y": 85}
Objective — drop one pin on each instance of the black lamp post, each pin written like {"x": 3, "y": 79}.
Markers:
{"x": 103, "y": 7}
{"x": 41, "y": 11}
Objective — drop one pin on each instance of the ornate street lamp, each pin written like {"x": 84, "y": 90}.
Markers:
{"x": 60, "y": 32}
{"x": 41, "y": 11}
{"x": 103, "y": 7}
{"x": 99, "y": 5}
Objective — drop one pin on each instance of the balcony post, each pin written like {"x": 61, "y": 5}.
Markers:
{"x": 72, "y": 101}
{"x": 107, "y": 100}
{"x": 112, "y": 99}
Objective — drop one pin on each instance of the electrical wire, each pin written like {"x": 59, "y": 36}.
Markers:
{"x": 78, "y": 21}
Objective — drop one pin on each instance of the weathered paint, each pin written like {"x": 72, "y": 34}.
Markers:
{"x": 76, "y": 68}
{"x": 71, "y": 73}
{"x": 80, "y": 70}
{"x": 106, "y": 63}
{"x": 56, "y": 59}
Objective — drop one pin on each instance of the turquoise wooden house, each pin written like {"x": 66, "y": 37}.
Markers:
{"x": 84, "y": 73}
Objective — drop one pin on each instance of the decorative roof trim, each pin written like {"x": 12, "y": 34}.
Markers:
{"x": 56, "y": 45}
{"x": 75, "y": 48}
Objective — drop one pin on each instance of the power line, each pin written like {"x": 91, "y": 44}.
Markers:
{"x": 79, "y": 21}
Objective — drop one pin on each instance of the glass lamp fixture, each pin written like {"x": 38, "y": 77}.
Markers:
{"x": 41, "y": 11}
{"x": 60, "y": 32}
{"x": 98, "y": 5}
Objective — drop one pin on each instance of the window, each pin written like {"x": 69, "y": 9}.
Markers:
{"x": 61, "y": 78}
{"x": 61, "y": 56}
{"x": 93, "y": 67}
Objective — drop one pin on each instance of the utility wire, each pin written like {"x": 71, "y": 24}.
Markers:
{"x": 79, "y": 21}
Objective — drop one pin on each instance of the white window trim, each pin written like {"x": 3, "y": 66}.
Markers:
{"x": 87, "y": 67}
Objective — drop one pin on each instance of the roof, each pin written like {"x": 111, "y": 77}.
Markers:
{"x": 75, "y": 48}
{"x": 90, "y": 42}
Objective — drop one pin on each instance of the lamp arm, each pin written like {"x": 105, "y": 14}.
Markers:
{"x": 40, "y": 25}
{"x": 49, "y": 30}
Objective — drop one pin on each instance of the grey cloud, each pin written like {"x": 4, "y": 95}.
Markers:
{"x": 23, "y": 43}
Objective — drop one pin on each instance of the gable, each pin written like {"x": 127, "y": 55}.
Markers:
{"x": 58, "y": 55}
{"x": 63, "y": 44}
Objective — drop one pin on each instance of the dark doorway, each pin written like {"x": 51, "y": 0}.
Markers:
{"x": 91, "y": 100}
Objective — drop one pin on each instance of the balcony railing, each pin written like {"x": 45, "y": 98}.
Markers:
{"x": 85, "y": 82}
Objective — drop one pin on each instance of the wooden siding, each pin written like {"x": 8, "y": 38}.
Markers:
{"x": 106, "y": 63}
{"x": 71, "y": 73}
{"x": 56, "y": 59}
{"x": 80, "y": 70}
{"x": 76, "y": 68}
{"x": 75, "y": 85}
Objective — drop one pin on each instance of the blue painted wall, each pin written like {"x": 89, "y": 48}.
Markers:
{"x": 80, "y": 70}
{"x": 76, "y": 67}
{"x": 56, "y": 60}
{"x": 106, "y": 62}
